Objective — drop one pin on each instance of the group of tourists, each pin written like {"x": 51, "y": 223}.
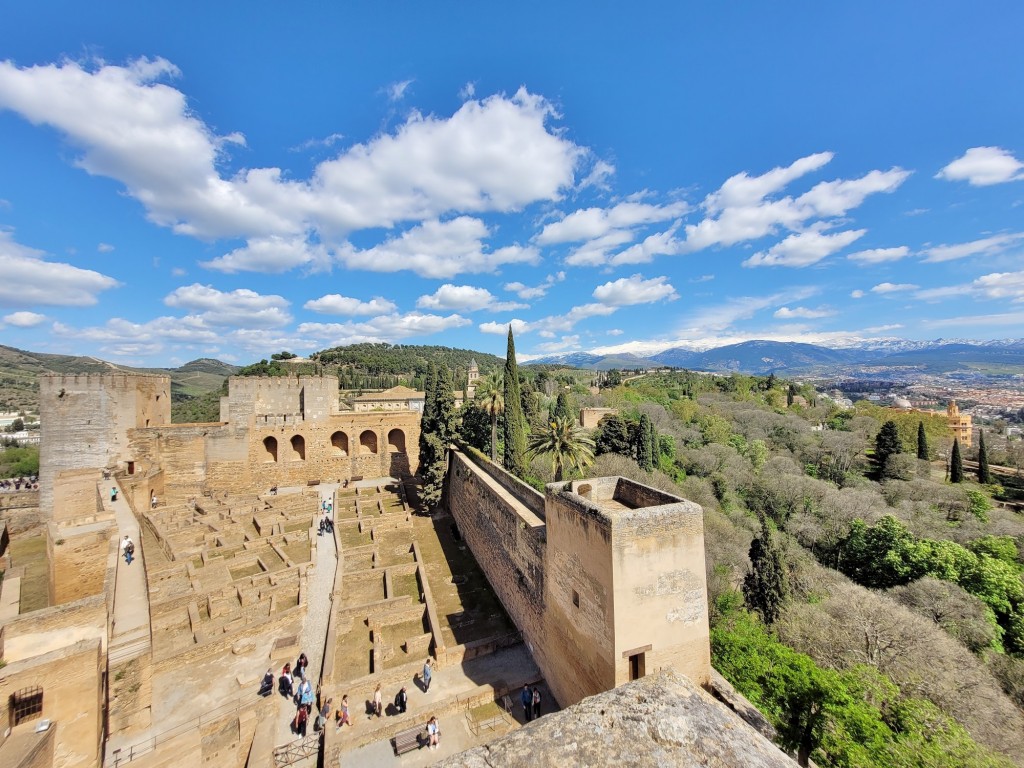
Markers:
{"x": 30, "y": 483}
{"x": 530, "y": 698}
{"x": 294, "y": 684}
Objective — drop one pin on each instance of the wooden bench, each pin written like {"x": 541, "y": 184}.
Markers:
{"x": 409, "y": 739}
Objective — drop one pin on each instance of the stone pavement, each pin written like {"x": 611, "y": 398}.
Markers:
{"x": 131, "y": 634}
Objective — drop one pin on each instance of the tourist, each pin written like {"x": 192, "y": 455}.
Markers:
{"x": 113, "y": 494}
{"x": 378, "y": 700}
{"x": 267, "y": 686}
{"x": 299, "y": 723}
{"x": 526, "y": 697}
{"x": 286, "y": 681}
{"x": 401, "y": 701}
{"x": 152, "y": 502}
{"x": 321, "y": 718}
{"x": 433, "y": 732}
{"x": 300, "y": 665}
{"x": 426, "y": 675}
{"x": 127, "y": 549}
{"x": 536, "y": 702}
{"x": 341, "y": 717}
{"x": 306, "y": 694}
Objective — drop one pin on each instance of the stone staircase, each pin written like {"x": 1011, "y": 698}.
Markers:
{"x": 128, "y": 646}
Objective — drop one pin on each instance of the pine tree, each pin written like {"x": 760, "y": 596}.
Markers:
{"x": 956, "y": 464}
{"x": 887, "y": 443}
{"x": 984, "y": 476}
{"x": 515, "y": 424}
{"x": 764, "y": 587}
{"x": 644, "y": 454}
{"x": 922, "y": 442}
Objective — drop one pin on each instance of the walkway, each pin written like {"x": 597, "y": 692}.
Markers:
{"x": 130, "y": 635}
{"x": 319, "y": 587}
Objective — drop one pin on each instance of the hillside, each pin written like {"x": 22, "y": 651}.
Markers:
{"x": 384, "y": 365}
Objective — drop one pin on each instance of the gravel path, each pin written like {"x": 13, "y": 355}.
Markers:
{"x": 319, "y": 586}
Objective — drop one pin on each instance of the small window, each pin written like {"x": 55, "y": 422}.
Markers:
{"x": 131, "y": 467}
{"x": 576, "y": 598}
{"x": 26, "y": 704}
{"x": 636, "y": 666}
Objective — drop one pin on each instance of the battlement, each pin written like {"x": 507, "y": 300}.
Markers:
{"x": 51, "y": 382}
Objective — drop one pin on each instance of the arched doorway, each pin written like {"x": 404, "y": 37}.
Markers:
{"x": 339, "y": 444}
{"x": 368, "y": 442}
{"x": 299, "y": 448}
{"x": 270, "y": 444}
{"x": 396, "y": 441}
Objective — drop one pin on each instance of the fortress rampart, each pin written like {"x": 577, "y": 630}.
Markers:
{"x": 607, "y": 585}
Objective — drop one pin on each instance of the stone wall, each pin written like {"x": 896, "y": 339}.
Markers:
{"x": 78, "y": 559}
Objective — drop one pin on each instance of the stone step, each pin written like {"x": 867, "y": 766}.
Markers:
{"x": 118, "y": 654}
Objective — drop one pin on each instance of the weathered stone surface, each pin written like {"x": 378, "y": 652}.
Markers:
{"x": 660, "y": 720}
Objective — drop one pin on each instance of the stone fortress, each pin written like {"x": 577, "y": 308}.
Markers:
{"x": 590, "y": 585}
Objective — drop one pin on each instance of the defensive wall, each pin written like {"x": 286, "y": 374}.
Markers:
{"x": 603, "y": 577}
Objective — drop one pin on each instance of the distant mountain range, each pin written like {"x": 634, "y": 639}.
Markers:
{"x": 764, "y": 357}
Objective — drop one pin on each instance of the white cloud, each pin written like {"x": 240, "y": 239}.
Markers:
{"x": 805, "y": 313}
{"x": 565, "y": 344}
{"x": 702, "y": 279}
{"x": 465, "y": 297}
{"x": 721, "y": 316}
{"x": 335, "y": 304}
{"x": 468, "y": 91}
{"x": 240, "y": 308}
{"x": 104, "y": 247}
{"x": 857, "y": 294}
{"x": 627, "y": 291}
{"x": 500, "y": 329}
{"x": 437, "y": 249}
{"x": 994, "y": 286}
{"x": 590, "y": 223}
{"x": 983, "y": 166}
{"x": 1013, "y": 319}
{"x": 599, "y": 174}
{"x": 327, "y": 141}
{"x": 884, "y": 288}
{"x": 29, "y": 279}
{"x": 386, "y": 328}
{"x": 271, "y": 254}
{"x": 879, "y": 255}
{"x": 536, "y": 291}
{"x": 986, "y": 246}
{"x": 743, "y": 190}
{"x": 24, "y": 319}
{"x": 803, "y": 249}
{"x": 658, "y": 244}
{"x": 614, "y": 332}
{"x": 553, "y": 324}
{"x": 396, "y": 91}
{"x": 495, "y": 154}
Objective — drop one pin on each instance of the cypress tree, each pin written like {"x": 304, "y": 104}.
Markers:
{"x": 444, "y": 406}
{"x": 764, "y": 588}
{"x": 563, "y": 408}
{"x": 644, "y": 455}
{"x": 887, "y": 443}
{"x": 984, "y": 476}
{"x": 655, "y": 447}
{"x": 922, "y": 442}
{"x": 956, "y": 464}
{"x": 515, "y": 423}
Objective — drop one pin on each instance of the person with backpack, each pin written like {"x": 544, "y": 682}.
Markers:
{"x": 401, "y": 700}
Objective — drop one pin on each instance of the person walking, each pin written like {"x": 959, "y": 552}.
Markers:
{"x": 306, "y": 694}
{"x": 342, "y": 716}
{"x": 526, "y": 697}
{"x": 113, "y": 494}
{"x": 286, "y": 681}
{"x": 127, "y": 549}
{"x": 427, "y": 674}
{"x": 321, "y": 718}
{"x": 299, "y": 723}
{"x": 401, "y": 701}
{"x": 378, "y": 701}
{"x": 536, "y": 703}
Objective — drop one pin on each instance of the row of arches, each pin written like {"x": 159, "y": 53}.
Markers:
{"x": 367, "y": 445}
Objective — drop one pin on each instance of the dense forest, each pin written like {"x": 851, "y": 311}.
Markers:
{"x": 871, "y": 608}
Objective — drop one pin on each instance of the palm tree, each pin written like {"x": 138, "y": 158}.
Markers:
{"x": 490, "y": 397}
{"x": 563, "y": 440}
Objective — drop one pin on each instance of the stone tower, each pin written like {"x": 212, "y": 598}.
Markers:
{"x": 472, "y": 379}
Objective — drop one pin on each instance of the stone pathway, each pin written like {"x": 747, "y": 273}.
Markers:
{"x": 319, "y": 587}
{"x": 130, "y": 635}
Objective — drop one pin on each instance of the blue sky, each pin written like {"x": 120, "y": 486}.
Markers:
{"x": 178, "y": 182}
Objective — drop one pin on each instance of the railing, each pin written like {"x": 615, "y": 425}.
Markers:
{"x": 297, "y": 750}
{"x": 123, "y": 755}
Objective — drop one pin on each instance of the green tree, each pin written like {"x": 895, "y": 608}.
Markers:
{"x": 956, "y": 463}
{"x": 644, "y": 454}
{"x": 922, "y": 442}
{"x": 764, "y": 587}
{"x": 490, "y": 397}
{"x": 887, "y": 443}
{"x": 567, "y": 445}
{"x": 444, "y": 407}
{"x": 564, "y": 407}
{"x": 515, "y": 422}
{"x": 435, "y": 437}
{"x": 984, "y": 476}
{"x": 612, "y": 436}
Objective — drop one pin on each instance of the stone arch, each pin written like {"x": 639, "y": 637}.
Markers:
{"x": 396, "y": 441}
{"x": 270, "y": 444}
{"x": 339, "y": 444}
{"x": 368, "y": 442}
{"x": 299, "y": 447}
{"x": 585, "y": 490}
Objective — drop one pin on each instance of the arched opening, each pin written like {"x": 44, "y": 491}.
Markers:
{"x": 339, "y": 444}
{"x": 299, "y": 447}
{"x": 270, "y": 444}
{"x": 396, "y": 441}
{"x": 585, "y": 491}
{"x": 368, "y": 442}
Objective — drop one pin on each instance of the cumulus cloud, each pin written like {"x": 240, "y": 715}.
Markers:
{"x": 437, "y": 249}
{"x": 598, "y": 176}
{"x": 104, "y": 247}
{"x": 857, "y": 294}
{"x": 614, "y": 332}
{"x": 549, "y": 326}
{"x": 29, "y": 279}
{"x": 994, "y": 286}
{"x": 528, "y": 292}
{"x": 24, "y": 319}
{"x": 879, "y": 255}
{"x": 986, "y": 246}
{"x": 565, "y": 344}
{"x": 884, "y": 288}
{"x": 984, "y": 166}
{"x": 241, "y": 307}
{"x": 803, "y": 249}
{"x": 500, "y": 329}
{"x": 492, "y": 155}
{"x": 803, "y": 313}
{"x": 385, "y": 328}
{"x": 627, "y": 291}
{"x": 465, "y": 297}
{"x": 271, "y": 254}
{"x": 335, "y": 304}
